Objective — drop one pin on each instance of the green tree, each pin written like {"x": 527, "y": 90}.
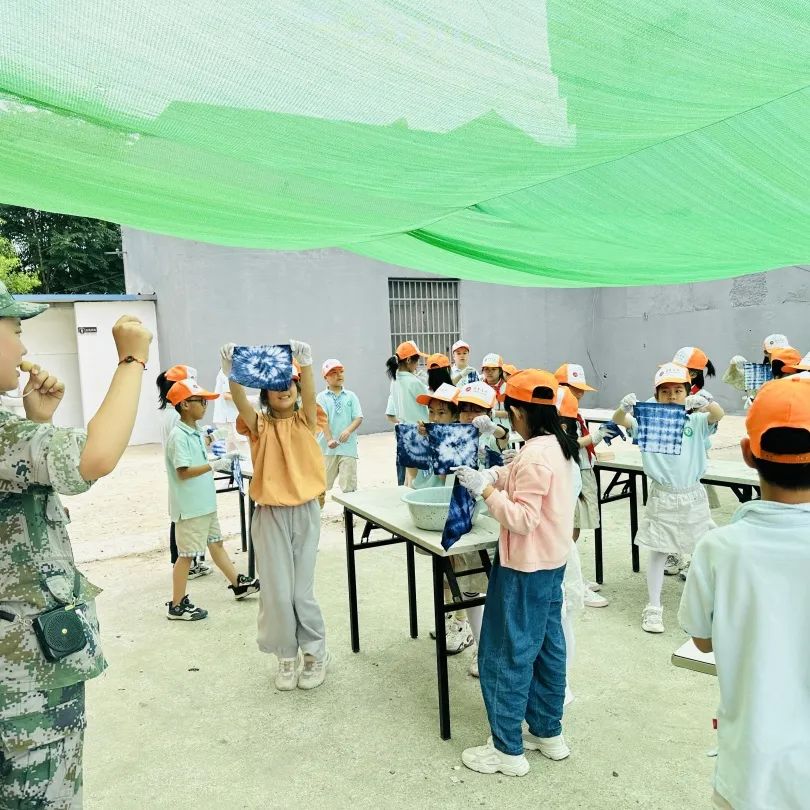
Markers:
{"x": 67, "y": 254}
{"x": 17, "y": 281}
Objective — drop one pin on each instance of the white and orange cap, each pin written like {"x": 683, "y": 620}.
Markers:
{"x": 460, "y": 344}
{"x": 567, "y": 404}
{"x": 573, "y": 375}
{"x": 508, "y": 368}
{"x": 445, "y": 392}
{"x": 492, "y": 360}
{"x": 176, "y": 373}
{"x": 521, "y": 386}
{"x": 775, "y": 342}
{"x": 790, "y": 358}
{"x": 781, "y": 403}
{"x": 331, "y": 365}
{"x": 184, "y": 389}
{"x": 408, "y": 349}
{"x": 672, "y": 373}
{"x": 478, "y": 393}
{"x": 691, "y": 357}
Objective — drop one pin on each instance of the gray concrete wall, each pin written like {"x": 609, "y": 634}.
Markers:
{"x": 337, "y": 301}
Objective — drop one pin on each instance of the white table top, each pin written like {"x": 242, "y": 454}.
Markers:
{"x": 689, "y": 656}
{"x": 596, "y": 414}
{"x": 386, "y": 508}
{"x": 717, "y": 471}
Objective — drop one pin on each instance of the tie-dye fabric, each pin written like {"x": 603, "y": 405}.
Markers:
{"x": 413, "y": 449}
{"x": 493, "y": 458}
{"x": 756, "y": 375}
{"x": 268, "y": 368}
{"x": 660, "y": 427}
{"x": 236, "y": 474}
{"x": 460, "y": 516}
{"x": 451, "y": 446}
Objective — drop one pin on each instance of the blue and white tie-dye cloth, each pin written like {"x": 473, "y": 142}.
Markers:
{"x": 269, "y": 368}
{"x": 756, "y": 375}
{"x": 453, "y": 445}
{"x": 413, "y": 449}
{"x": 660, "y": 427}
{"x": 460, "y": 516}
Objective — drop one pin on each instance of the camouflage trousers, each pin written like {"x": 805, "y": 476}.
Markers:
{"x": 41, "y": 751}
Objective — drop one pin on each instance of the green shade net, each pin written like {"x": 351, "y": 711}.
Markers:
{"x": 556, "y": 143}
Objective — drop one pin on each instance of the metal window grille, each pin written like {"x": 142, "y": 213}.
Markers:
{"x": 424, "y": 311}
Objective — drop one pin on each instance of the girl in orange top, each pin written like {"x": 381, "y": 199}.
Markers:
{"x": 288, "y": 479}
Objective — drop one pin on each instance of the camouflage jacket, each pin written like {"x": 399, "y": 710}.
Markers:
{"x": 37, "y": 569}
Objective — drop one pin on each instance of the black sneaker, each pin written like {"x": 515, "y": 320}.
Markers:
{"x": 199, "y": 569}
{"x": 185, "y": 611}
{"x": 245, "y": 586}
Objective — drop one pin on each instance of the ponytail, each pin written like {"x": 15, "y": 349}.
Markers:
{"x": 163, "y": 386}
{"x": 710, "y": 372}
{"x": 391, "y": 366}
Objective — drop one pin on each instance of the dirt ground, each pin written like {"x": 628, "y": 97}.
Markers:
{"x": 186, "y": 716}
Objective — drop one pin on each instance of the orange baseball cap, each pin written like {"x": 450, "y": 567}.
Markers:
{"x": 691, "y": 357}
{"x": 521, "y": 386}
{"x": 671, "y": 373}
{"x": 789, "y": 356}
{"x": 478, "y": 393}
{"x": 177, "y": 373}
{"x": 573, "y": 375}
{"x": 184, "y": 389}
{"x": 438, "y": 361}
{"x": 779, "y": 404}
{"x": 567, "y": 403}
{"x": 445, "y": 392}
{"x": 408, "y": 349}
{"x": 331, "y": 365}
{"x": 508, "y": 368}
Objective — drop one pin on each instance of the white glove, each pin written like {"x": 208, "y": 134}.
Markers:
{"x": 632, "y": 424}
{"x": 302, "y": 352}
{"x": 738, "y": 361}
{"x": 696, "y": 402}
{"x": 476, "y": 481}
{"x": 599, "y": 434}
{"x": 223, "y": 464}
{"x": 704, "y": 393}
{"x": 226, "y": 358}
{"x": 486, "y": 427}
{"x": 509, "y": 456}
{"x": 628, "y": 403}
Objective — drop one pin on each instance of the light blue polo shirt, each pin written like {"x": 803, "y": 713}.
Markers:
{"x": 341, "y": 409}
{"x": 686, "y": 470}
{"x": 404, "y": 391}
{"x": 196, "y": 496}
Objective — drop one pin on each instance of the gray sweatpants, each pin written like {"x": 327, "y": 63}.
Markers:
{"x": 285, "y": 539}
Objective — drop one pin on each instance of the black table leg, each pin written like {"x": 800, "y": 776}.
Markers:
{"x": 251, "y": 553}
{"x": 354, "y": 625}
{"x": 409, "y": 556}
{"x": 597, "y": 534}
{"x": 644, "y": 493}
{"x": 633, "y": 521}
{"x": 441, "y": 648}
{"x": 242, "y": 524}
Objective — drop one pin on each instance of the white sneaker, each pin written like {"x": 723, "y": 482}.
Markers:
{"x": 459, "y": 636}
{"x": 685, "y": 570}
{"x": 673, "y": 565}
{"x": 314, "y": 672}
{"x": 595, "y": 600}
{"x": 473, "y": 670}
{"x": 287, "y": 675}
{"x": 550, "y": 747}
{"x": 488, "y": 759}
{"x": 593, "y": 586}
{"x": 652, "y": 619}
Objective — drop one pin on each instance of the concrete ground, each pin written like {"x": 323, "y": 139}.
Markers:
{"x": 186, "y": 716}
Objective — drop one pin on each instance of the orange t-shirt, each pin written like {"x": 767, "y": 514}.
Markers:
{"x": 288, "y": 467}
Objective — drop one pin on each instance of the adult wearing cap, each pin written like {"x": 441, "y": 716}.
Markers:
{"x": 462, "y": 372}
{"x": 746, "y": 600}
{"x": 42, "y": 713}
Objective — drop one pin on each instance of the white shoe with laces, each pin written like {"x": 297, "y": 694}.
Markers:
{"x": 458, "y": 636}
{"x": 595, "y": 600}
{"x": 685, "y": 570}
{"x": 652, "y": 619}
{"x": 673, "y": 565}
{"x": 550, "y": 747}
{"x": 287, "y": 675}
{"x": 488, "y": 759}
{"x": 314, "y": 672}
{"x": 593, "y": 586}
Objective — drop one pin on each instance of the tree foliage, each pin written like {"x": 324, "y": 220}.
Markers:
{"x": 17, "y": 281}
{"x": 66, "y": 254}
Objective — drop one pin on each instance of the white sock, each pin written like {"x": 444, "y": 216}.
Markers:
{"x": 655, "y": 576}
{"x": 475, "y": 615}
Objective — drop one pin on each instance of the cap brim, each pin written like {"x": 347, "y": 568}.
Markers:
{"x": 582, "y": 387}
{"x": 22, "y": 310}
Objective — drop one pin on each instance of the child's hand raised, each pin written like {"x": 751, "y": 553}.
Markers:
{"x": 226, "y": 358}
{"x": 302, "y": 352}
{"x": 628, "y": 403}
{"x": 131, "y": 338}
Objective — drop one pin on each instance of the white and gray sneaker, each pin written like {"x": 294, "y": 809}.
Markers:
{"x": 488, "y": 759}
{"x": 685, "y": 570}
{"x": 550, "y": 747}
{"x": 652, "y": 619}
{"x": 199, "y": 569}
{"x": 673, "y": 565}
{"x": 458, "y": 636}
{"x": 595, "y": 600}
{"x": 287, "y": 675}
{"x": 314, "y": 672}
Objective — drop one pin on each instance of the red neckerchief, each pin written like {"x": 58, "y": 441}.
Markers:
{"x": 695, "y": 390}
{"x": 584, "y": 428}
{"x": 500, "y": 391}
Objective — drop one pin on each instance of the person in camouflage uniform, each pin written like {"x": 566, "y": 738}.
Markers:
{"x": 42, "y": 711}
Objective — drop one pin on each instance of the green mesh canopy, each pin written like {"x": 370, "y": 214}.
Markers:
{"x": 560, "y": 143}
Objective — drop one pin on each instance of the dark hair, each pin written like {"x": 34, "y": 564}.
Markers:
{"x": 453, "y": 407}
{"x": 437, "y": 376}
{"x": 569, "y": 424}
{"x": 163, "y": 386}
{"x": 710, "y": 370}
{"x": 785, "y": 440}
{"x": 264, "y": 400}
{"x": 686, "y": 387}
{"x": 500, "y": 373}
{"x": 778, "y": 369}
{"x": 544, "y": 420}
{"x": 394, "y": 364}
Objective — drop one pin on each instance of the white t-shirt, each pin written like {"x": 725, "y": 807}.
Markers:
{"x": 225, "y": 412}
{"x": 747, "y": 590}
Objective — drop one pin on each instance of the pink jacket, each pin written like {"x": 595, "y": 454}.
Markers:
{"x": 532, "y": 502}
